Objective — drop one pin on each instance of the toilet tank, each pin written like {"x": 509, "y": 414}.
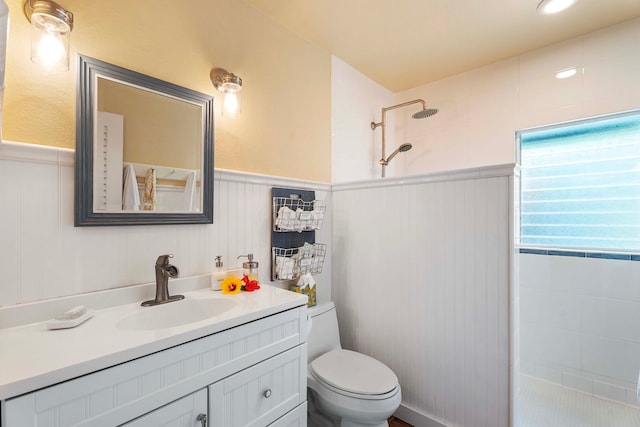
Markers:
{"x": 323, "y": 330}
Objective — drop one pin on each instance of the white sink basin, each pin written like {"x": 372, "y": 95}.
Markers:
{"x": 176, "y": 313}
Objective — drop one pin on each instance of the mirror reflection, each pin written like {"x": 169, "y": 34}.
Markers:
{"x": 144, "y": 149}
{"x": 150, "y": 148}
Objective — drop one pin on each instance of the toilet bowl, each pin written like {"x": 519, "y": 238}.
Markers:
{"x": 345, "y": 388}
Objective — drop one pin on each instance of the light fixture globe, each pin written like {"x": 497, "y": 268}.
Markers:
{"x": 51, "y": 27}
{"x": 48, "y": 14}
{"x": 230, "y": 85}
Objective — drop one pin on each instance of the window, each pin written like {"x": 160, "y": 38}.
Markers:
{"x": 580, "y": 185}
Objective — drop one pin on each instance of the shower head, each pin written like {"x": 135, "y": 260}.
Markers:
{"x": 424, "y": 113}
{"x": 405, "y": 147}
{"x": 401, "y": 149}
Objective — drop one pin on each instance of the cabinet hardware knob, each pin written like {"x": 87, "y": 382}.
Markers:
{"x": 203, "y": 419}
{"x": 267, "y": 393}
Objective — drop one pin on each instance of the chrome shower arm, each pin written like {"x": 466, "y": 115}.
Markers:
{"x": 374, "y": 125}
{"x": 404, "y": 104}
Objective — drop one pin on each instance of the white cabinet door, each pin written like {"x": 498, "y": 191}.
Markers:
{"x": 261, "y": 394}
{"x": 186, "y": 412}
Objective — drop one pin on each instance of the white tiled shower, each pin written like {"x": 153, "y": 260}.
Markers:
{"x": 580, "y": 320}
{"x": 480, "y": 112}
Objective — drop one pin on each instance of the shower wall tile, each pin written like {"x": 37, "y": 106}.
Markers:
{"x": 611, "y": 318}
{"x": 540, "y": 90}
{"x": 611, "y": 358}
{"x": 498, "y": 78}
{"x": 548, "y": 116}
{"x": 546, "y": 62}
{"x": 438, "y": 157}
{"x": 617, "y": 41}
{"x": 547, "y": 94}
{"x": 548, "y": 373}
{"x": 548, "y": 344}
{"x": 609, "y": 391}
{"x": 605, "y": 292}
{"x": 553, "y": 309}
{"x": 486, "y": 144}
{"x": 577, "y": 382}
{"x": 610, "y": 86}
{"x": 632, "y": 397}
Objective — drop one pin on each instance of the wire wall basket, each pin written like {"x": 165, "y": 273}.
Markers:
{"x": 291, "y": 263}
{"x": 294, "y": 214}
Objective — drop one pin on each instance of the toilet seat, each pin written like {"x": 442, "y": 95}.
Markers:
{"x": 354, "y": 374}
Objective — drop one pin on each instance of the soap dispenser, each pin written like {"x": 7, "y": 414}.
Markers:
{"x": 250, "y": 267}
{"x": 218, "y": 274}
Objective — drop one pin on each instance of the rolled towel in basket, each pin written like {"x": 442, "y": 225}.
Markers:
{"x": 286, "y": 218}
{"x": 284, "y": 267}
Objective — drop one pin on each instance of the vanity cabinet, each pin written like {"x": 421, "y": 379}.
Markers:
{"x": 253, "y": 374}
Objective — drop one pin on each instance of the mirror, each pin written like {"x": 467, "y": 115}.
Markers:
{"x": 144, "y": 149}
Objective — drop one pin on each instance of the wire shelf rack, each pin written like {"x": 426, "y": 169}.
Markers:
{"x": 295, "y": 214}
{"x": 291, "y": 263}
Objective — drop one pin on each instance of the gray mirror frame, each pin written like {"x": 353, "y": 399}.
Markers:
{"x": 88, "y": 69}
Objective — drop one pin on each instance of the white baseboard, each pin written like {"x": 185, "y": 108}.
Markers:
{"x": 415, "y": 418}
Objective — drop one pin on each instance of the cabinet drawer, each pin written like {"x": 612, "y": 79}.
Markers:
{"x": 295, "y": 418}
{"x": 181, "y": 413}
{"x": 261, "y": 394}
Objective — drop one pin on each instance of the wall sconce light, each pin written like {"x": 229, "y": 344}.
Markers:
{"x": 51, "y": 27}
{"x": 231, "y": 86}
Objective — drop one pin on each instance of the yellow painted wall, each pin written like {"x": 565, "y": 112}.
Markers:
{"x": 285, "y": 125}
{"x": 158, "y": 130}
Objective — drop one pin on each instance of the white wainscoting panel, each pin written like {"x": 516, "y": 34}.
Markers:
{"x": 421, "y": 281}
{"x": 44, "y": 256}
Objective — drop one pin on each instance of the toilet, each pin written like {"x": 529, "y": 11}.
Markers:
{"x": 345, "y": 388}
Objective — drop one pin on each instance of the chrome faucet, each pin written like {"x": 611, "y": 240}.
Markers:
{"x": 164, "y": 270}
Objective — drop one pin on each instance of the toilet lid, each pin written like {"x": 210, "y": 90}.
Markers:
{"x": 354, "y": 372}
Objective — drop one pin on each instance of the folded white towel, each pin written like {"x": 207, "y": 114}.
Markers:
{"x": 189, "y": 191}
{"x": 130, "y": 194}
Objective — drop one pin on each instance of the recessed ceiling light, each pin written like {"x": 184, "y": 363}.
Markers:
{"x": 549, "y": 7}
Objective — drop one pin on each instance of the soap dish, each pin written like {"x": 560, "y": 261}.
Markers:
{"x": 70, "y": 319}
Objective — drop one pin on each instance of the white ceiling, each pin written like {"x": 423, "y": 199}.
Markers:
{"x": 402, "y": 44}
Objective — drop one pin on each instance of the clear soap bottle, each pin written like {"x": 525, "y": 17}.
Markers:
{"x": 218, "y": 274}
{"x": 250, "y": 267}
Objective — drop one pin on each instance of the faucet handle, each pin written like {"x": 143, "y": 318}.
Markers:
{"x": 164, "y": 259}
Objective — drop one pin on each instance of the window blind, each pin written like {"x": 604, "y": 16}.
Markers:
{"x": 580, "y": 185}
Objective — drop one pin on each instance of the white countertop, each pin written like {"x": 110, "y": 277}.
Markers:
{"x": 33, "y": 357}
